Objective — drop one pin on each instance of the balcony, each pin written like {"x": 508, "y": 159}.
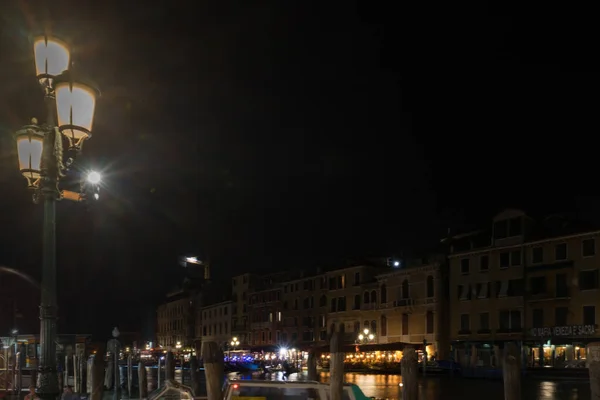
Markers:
{"x": 403, "y": 302}
{"x": 368, "y": 306}
{"x": 425, "y": 301}
{"x": 546, "y": 296}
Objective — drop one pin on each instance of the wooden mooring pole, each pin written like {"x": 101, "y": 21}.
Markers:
{"x": 593, "y": 364}
{"x": 194, "y": 375}
{"x": 409, "y": 369}
{"x": 142, "y": 380}
{"x": 336, "y": 367}
{"x": 311, "y": 365}
{"x": 511, "y": 372}
{"x": 96, "y": 388}
{"x": 129, "y": 374}
{"x": 213, "y": 369}
{"x": 169, "y": 366}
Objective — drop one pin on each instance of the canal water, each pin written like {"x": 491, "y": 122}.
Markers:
{"x": 432, "y": 387}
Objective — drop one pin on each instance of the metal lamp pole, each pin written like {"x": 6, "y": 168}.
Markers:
{"x": 40, "y": 153}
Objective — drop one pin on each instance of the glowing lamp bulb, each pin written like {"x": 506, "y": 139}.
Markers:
{"x": 94, "y": 177}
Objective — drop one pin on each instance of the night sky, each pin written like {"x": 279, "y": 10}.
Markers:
{"x": 270, "y": 135}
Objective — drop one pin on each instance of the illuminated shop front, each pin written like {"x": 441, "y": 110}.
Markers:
{"x": 559, "y": 346}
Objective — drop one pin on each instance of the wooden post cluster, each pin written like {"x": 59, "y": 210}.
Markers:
{"x": 511, "y": 372}
{"x": 336, "y": 367}
{"x": 142, "y": 380}
{"x": 409, "y": 370}
{"x": 213, "y": 369}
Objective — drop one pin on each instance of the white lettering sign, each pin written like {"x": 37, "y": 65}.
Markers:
{"x": 569, "y": 330}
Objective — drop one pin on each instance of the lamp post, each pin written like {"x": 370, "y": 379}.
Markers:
{"x": 234, "y": 343}
{"x": 70, "y": 109}
{"x": 365, "y": 337}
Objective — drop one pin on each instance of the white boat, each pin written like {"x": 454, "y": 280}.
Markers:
{"x": 285, "y": 390}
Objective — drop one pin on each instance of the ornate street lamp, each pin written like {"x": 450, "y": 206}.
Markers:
{"x": 234, "y": 343}
{"x": 365, "y": 337}
{"x": 42, "y": 163}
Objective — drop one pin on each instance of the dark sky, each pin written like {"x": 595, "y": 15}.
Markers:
{"x": 270, "y": 135}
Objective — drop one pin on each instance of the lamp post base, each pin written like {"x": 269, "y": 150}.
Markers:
{"x": 48, "y": 383}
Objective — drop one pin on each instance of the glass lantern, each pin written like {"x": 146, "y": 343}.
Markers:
{"x": 51, "y": 58}
{"x": 30, "y": 145}
{"x": 75, "y": 106}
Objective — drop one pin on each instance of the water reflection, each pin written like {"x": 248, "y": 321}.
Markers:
{"x": 431, "y": 388}
{"x": 443, "y": 387}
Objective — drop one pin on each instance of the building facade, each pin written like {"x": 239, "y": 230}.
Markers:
{"x": 562, "y": 298}
{"x": 413, "y": 307}
{"x": 527, "y": 281}
{"x": 216, "y": 323}
{"x": 266, "y": 316}
{"x": 241, "y": 286}
{"x": 353, "y": 302}
{"x": 304, "y": 312}
{"x": 175, "y": 321}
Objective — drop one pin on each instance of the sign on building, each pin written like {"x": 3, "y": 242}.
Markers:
{"x": 568, "y": 330}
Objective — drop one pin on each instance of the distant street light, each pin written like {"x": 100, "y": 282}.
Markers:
{"x": 234, "y": 344}
{"x": 70, "y": 107}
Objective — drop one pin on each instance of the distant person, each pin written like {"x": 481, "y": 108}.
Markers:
{"x": 32, "y": 395}
{"x": 68, "y": 394}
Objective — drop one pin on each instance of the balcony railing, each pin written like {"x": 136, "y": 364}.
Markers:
{"x": 404, "y": 302}
{"x": 562, "y": 294}
{"x": 369, "y": 306}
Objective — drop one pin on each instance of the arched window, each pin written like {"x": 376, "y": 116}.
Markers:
{"x": 383, "y": 326}
{"x": 405, "y": 292}
{"x": 342, "y": 327}
{"x": 383, "y": 294}
{"x": 323, "y": 301}
{"x": 374, "y": 297}
{"x": 357, "y": 302}
{"x": 430, "y": 287}
{"x": 332, "y": 328}
{"x": 357, "y": 327}
{"x": 373, "y": 327}
{"x": 429, "y": 322}
{"x": 366, "y": 298}
{"x": 367, "y": 324}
